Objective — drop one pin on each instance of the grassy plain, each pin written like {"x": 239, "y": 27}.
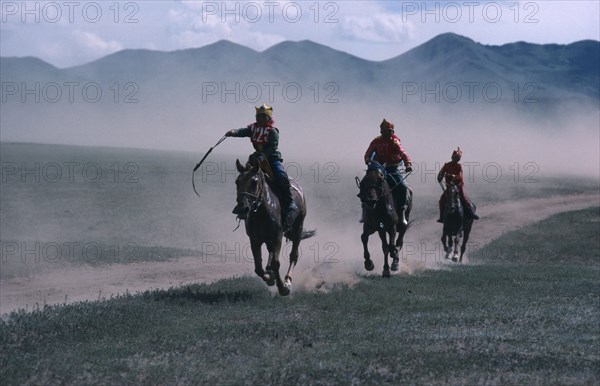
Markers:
{"x": 529, "y": 317}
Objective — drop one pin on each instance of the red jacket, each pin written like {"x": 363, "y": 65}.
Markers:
{"x": 387, "y": 151}
{"x": 452, "y": 172}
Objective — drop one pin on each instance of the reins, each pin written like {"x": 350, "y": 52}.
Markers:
{"x": 402, "y": 178}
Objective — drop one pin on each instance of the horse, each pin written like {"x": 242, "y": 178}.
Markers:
{"x": 381, "y": 216}
{"x": 457, "y": 225}
{"x": 260, "y": 208}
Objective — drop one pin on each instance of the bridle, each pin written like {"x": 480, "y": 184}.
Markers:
{"x": 379, "y": 189}
{"x": 256, "y": 198}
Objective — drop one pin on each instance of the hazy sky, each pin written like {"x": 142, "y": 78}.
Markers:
{"x": 70, "y": 32}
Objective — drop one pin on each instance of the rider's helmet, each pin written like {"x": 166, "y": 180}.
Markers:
{"x": 264, "y": 109}
{"x": 456, "y": 154}
{"x": 386, "y": 127}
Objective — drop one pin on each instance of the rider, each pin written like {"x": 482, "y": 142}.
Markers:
{"x": 265, "y": 139}
{"x": 387, "y": 150}
{"x": 452, "y": 173}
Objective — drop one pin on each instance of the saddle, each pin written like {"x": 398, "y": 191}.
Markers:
{"x": 265, "y": 166}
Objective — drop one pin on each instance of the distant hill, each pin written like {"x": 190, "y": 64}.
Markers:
{"x": 219, "y": 81}
{"x": 446, "y": 58}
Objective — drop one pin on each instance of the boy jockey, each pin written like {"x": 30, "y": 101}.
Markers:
{"x": 265, "y": 140}
{"x": 389, "y": 153}
{"x": 452, "y": 173}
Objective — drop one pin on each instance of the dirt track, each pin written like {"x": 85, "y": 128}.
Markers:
{"x": 76, "y": 284}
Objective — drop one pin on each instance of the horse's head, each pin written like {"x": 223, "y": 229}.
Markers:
{"x": 249, "y": 185}
{"x": 374, "y": 185}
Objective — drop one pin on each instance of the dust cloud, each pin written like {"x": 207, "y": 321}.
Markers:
{"x": 507, "y": 156}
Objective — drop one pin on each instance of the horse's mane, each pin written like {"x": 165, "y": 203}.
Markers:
{"x": 450, "y": 195}
{"x": 258, "y": 160}
{"x": 374, "y": 165}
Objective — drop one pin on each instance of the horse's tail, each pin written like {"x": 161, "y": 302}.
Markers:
{"x": 308, "y": 234}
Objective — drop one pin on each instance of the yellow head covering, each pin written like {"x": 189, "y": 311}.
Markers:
{"x": 264, "y": 109}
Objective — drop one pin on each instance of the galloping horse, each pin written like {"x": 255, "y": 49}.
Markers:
{"x": 260, "y": 209}
{"x": 381, "y": 216}
{"x": 456, "y": 224}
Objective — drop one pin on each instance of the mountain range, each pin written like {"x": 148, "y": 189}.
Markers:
{"x": 448, "y": 71}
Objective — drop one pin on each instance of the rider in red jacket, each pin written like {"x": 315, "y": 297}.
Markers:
{"x": 452, "y": 173}
{"x": 387, "y": 150}
{"x": 387, "y": 147}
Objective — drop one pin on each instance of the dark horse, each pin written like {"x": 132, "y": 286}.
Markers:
{"x": 260, "y": 209}
{"x": 457, "y": 224}
{"x": 381, "y": 216}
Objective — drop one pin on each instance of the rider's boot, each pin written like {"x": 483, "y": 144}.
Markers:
{"x": 441, "y": 219}
{"x": 471, "y": 212}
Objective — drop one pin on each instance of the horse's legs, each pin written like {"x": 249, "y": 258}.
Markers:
{"x": 364, "y": 237}
{"x": 296, "y": 236}
{"x": 392, "y": 249}
{"x": 386, "y": 250}
{"x": 450, "y": 239}
{"x": 293, "y": 262}
{"x": 447, "y": 244}
{"x": 401, "y": 229}
{"x": 274, "y": 250}
{"x": 269, "y": 266}
{"x": 258, "y": 268}
{"x": 466, "y": 233}
{"x": 457, "y": 238}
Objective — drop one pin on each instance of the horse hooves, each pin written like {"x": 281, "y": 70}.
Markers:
{"x": 369, "y": 266}
{"x": 395, "y": 265}
{"x": 284, "y": 291}
{"x": 454, "y": 259}
{"x": 386, "y": 273}
{"x": 270, "y": 279}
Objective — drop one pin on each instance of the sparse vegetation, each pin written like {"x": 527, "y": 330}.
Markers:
{"x": 512, "y": 322}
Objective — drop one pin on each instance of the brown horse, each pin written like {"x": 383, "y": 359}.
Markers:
{"x": 457, "y": 224}
{"x": 260, "y": 209}
{"x": 381, "y": 216}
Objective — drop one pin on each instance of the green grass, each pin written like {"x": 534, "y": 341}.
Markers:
{"x": 512, "y": 322}
{"x": 26, "y": 258}
{"x": 571, "y": 238}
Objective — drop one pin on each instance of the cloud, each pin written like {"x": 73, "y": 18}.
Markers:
{"x": 375, "y": 30}
{"x": 190, "y": 27}
{"x": 378, "y": 28}
{"x": 94, "y": 44}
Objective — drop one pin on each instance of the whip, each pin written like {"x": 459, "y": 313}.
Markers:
{"x": 202, "y": 160}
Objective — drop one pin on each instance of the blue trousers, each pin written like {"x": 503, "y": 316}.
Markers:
{"x": 399, "y": 187}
